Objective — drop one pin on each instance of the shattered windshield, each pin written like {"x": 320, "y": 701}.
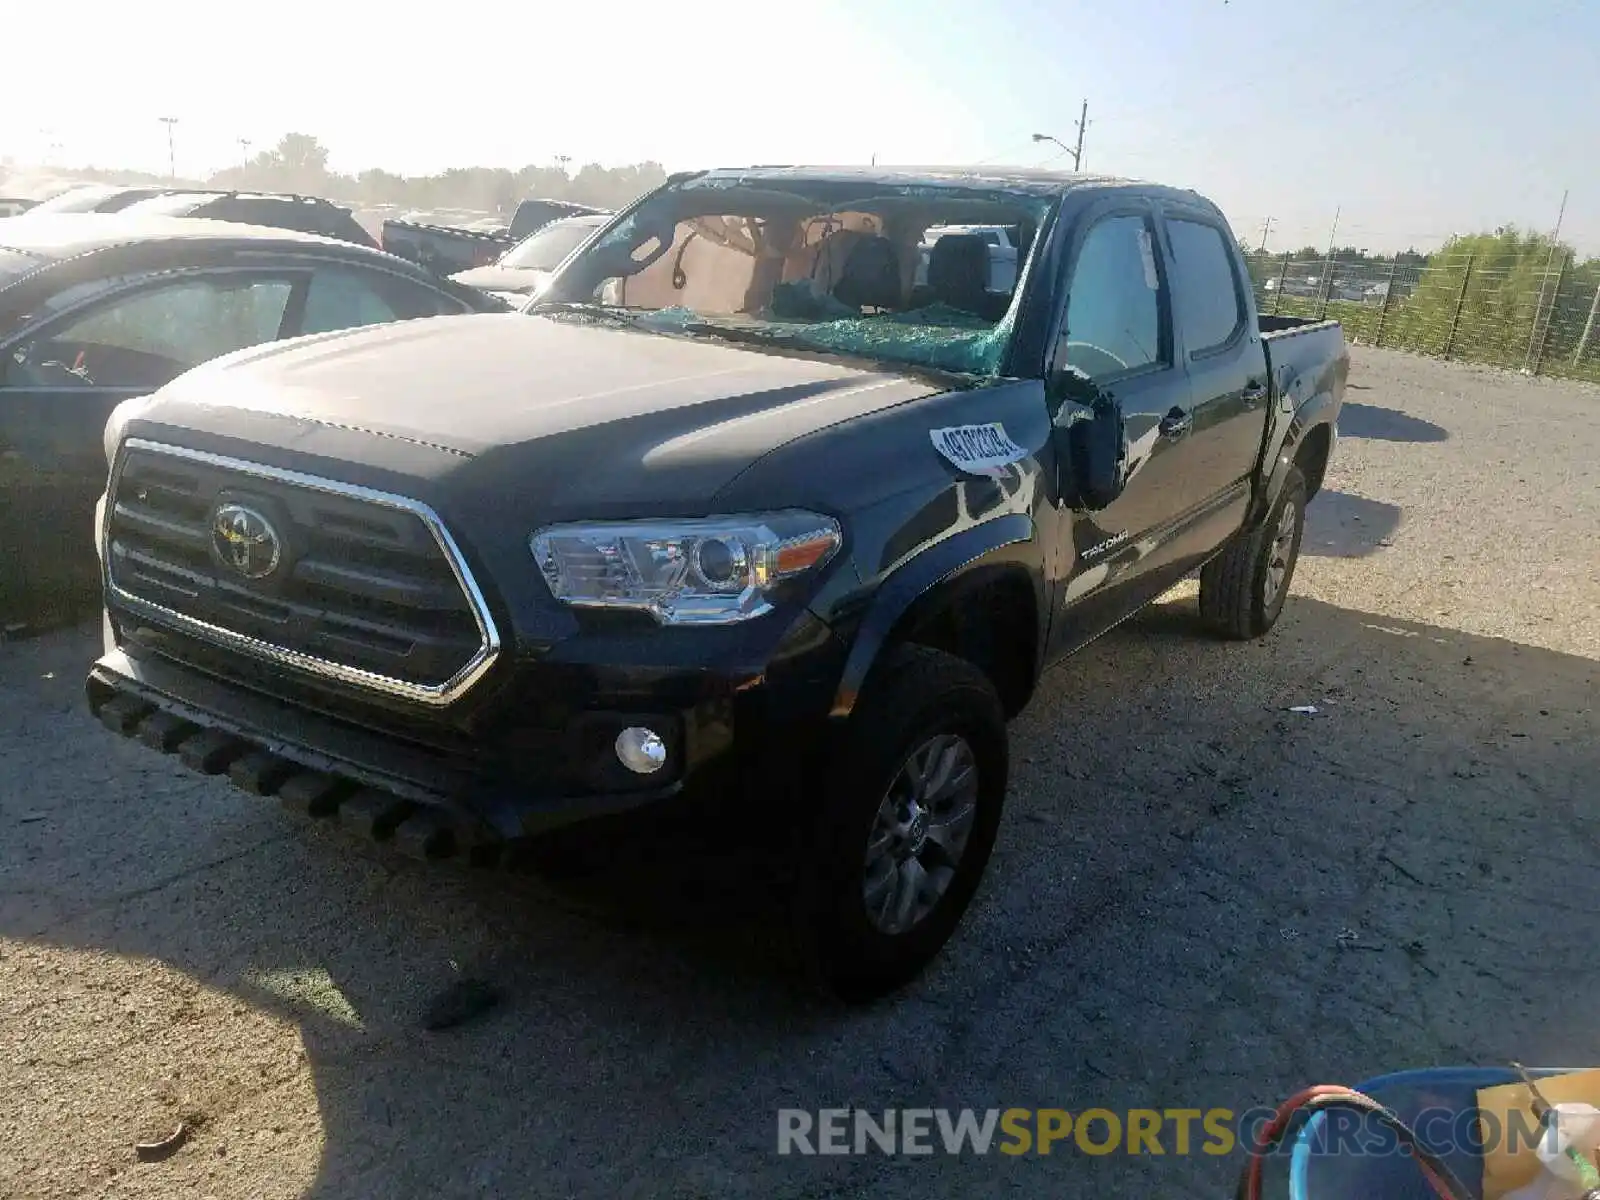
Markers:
{"x": 893, "y": 272}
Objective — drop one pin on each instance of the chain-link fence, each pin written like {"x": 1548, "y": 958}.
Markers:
{"x": 1543, "y": 318}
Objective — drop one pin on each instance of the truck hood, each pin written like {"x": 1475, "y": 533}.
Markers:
{"x": 546, "y": 415}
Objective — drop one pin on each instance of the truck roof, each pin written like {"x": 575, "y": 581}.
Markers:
{"x": 1032, "y": 180}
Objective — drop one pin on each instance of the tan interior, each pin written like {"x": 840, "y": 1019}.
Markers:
{"x": 731, "y": 264}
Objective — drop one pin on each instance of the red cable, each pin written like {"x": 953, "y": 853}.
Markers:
{"x": 1270, "y": 1132}
{"x": 1273, "y": 1129}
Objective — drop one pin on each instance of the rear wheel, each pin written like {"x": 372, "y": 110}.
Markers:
{"x": 901, "y": 839}
{"x": 1243, "y": 589}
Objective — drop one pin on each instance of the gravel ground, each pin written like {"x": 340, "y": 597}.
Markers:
{"x": 1199, "y": 898}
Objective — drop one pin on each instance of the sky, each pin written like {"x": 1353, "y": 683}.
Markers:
{"x": 1409, "y": 119}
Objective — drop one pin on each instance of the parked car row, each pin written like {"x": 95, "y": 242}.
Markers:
{"x": 308, "y": 214}
{"x": 525, "y": 268}
{"x": 111, "y": 291}
{"x": 1358, "y": 290}
{"x": 448, "y": 249}
{"x": 98, "y": 198}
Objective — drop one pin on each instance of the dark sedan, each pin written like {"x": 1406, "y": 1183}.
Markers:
{"x": 97, "y": 309}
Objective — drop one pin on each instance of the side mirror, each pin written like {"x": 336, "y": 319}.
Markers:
{"x": 1093, "y": 451}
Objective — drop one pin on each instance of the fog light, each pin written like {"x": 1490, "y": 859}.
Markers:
{"x": 641, "y": 750}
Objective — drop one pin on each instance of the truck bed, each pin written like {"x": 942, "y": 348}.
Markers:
{"x": 1304, "y": 357}
{"x": 1275, "y": 325}
{"x": 1307, "y": 360}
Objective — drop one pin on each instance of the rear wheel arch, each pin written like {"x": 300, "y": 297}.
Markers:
{"x": 1312, "y": 454}
{"x": 1307, "y": 445}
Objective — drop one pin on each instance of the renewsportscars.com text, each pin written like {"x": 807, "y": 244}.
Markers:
{"x": 1006, "y": 1131}
{"x": 1146, "y": 1131}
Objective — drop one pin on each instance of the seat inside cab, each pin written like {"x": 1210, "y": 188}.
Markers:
{"x": 828, "y": 266}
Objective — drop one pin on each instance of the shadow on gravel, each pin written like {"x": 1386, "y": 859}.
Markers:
{"x": 1387, "y": 425}
{"x": 1340, "y": 525}
{"x": 1199, "y": 898}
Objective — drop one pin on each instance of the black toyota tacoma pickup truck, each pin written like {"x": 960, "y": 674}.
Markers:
{"x": 739, "y": 516}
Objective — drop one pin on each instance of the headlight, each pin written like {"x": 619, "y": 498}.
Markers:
{"x": 116, "y": 423}
{"x": 704, "y": 571}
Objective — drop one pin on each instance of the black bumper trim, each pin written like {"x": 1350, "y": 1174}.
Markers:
{"x": 428, "y": 831}
{"x": 318, "y": 767}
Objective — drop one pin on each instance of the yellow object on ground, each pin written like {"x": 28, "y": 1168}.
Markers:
{"x": 1505, "y": 1116}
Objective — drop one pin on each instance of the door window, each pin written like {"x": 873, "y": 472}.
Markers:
{"x": 343, "y": 298}
{"x": 1115, "y": 303}
{"x": 144, "y": 339}
{"x": 1206, "y": 294}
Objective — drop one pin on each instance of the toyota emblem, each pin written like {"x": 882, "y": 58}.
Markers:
{"x": 245, "y": 541}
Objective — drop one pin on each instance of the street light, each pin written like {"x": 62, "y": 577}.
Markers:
{"x": 1075, "y": 151}
{"x": 172, "y": 161}
{"x": 1077, "y": 154}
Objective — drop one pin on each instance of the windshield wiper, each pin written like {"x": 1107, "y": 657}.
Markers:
{"x": 737, "y": 333}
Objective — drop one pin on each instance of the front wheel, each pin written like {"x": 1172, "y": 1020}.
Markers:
{"x": 1243, "y": 589}
{"x": 900, "y": 842}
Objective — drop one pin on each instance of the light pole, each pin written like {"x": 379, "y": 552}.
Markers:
{"x": 244, "y": 153}
{"x": 1077, "y": 151}
{"x": 172, "y": 160}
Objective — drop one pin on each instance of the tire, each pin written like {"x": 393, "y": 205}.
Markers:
{"x": 925, "y": 704}
{"x": 1243, "y": 589}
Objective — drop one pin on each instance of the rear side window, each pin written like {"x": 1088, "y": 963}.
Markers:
{"x": 146, "y": 338}
{"x": 1205, "y": 290}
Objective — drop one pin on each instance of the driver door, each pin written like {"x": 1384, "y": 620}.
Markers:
{"x": 1115, "y": 342}
{"x": 58, "y": 385}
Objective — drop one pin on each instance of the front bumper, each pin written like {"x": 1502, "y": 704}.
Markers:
{"x": 535, "y": 756}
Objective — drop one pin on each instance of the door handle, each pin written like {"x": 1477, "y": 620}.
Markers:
{"x": 1175, "y": 424}
{"x": 1254, "y": 392}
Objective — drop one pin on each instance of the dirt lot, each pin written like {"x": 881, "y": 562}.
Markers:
{"x": 1200, "y": 898}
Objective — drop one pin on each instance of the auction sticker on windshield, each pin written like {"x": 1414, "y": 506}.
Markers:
{"x": 977, "y": 449}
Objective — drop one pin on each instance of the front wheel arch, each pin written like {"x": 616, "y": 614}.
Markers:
{"x": 907, "y": 606}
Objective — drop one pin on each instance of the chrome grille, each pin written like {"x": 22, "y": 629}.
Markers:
{"x": 370, "y": 590}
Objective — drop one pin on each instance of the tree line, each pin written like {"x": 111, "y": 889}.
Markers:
{"x": 299, "y": 163}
